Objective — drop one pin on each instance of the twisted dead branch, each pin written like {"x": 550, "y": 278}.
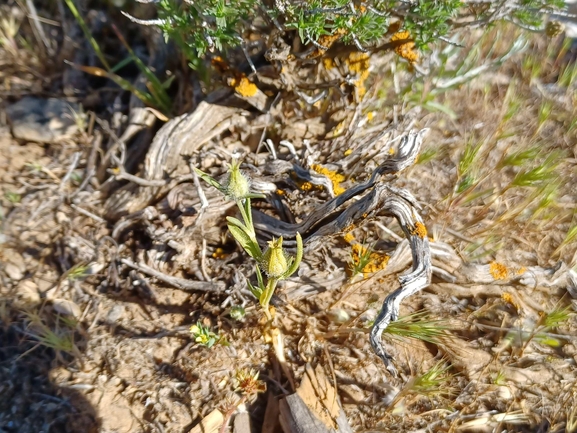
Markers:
{"x": 381, "y": 199}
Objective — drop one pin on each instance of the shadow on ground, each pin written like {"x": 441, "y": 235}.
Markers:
{"x": 30, "y": 402}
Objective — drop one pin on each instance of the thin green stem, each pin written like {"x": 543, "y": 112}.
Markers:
{"x": 87, "y": 34}
{"x": 267, "y": 295}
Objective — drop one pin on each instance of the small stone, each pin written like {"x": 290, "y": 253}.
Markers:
{"x": 504, "y": 393}
{"x": 28, "y": 291}
{"x": 13, "y": 272}
{"x": 115, "y": 314}
{"x": 66, "y": 308}
{"x": 44, "y": 284}
{"x": 62, "y": 218}
{"x": 43, "y": 238}
{"x": 569, "y": 349}
{"x": 42, "y": 120}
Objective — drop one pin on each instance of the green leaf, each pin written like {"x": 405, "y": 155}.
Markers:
{"x": 547, "y": 340}
{"x": 239, "y": 224}
{"x": 259, "y": 278}
{"x": 297, "y": 259}
{"x": 251, "y": 247}
{"x": 256, "y": 291}
{"x": 437, "y": 106}
{"x": 210, "y": 180}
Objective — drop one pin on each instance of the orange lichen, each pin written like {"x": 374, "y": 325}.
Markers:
{"x": 243, "y": 86}
{"x": 370, "y": 116}
{"x": 508, "y": 298}
{"x": 235, "y": 79}
{"x": 348, "y": 152}
{"x": 359, "y": 65}
{"x": 406, "y": 47}
{"x": 325, "y": 42}
{"x": 306, "y": 186}
{"x": 377, "y": 261}
{"x": 391, "y": 151}
{"x": 280, "y": 192}
{"x": 522, "y": 270}
{"x": 334, "y": 177}
{"x": 349, "y": 238}
{"x": 498, "y": 271}
{"x": 420, "y": 230}
{"x": 220, "y": 64}
{"x": 329, "y": 63}
{"x": 328, "y": 40}
{"x": 337, "y": 130}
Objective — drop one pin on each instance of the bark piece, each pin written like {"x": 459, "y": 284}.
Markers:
{"x": 315, "y": 407}
{"x": 210, "y": 423}
{"x": 167, "y": 156}
{"x": 241, "y": 423}
{"x": 271, "y": 422}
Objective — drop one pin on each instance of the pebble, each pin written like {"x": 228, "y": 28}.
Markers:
{"x": 28, "y": 291}
{"x": 66, "y": 307}
{"x": 14, "y": 272}
{"x": 42, "y": 120}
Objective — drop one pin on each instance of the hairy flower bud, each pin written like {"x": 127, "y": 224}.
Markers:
{"x": 274, "y": 260}
{"x": 238, "y": 185}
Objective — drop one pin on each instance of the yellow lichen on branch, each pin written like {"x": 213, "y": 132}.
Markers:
{"x": 406, "y": 49}
{"x": 349, "y": 238}
{"x": 359, "y": 65}
{"x": 420, "y": 230}
{"x": 377, "y": 261}
{"x": 243, "y": 86}
{"x": 334, "y": 177}
{"x": 498, "y": 271}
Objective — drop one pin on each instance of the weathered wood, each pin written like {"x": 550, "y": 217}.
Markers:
{"x": 172, "y": 145}
{"x": 271, "y": 423}
{"x": 333, "y": 218}
{"x": 241, "y": 423}
{"x": 314, "y": 407}
{"x": 210, "y": 423}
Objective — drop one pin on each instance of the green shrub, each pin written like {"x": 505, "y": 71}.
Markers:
{"x": 202, "y": 26}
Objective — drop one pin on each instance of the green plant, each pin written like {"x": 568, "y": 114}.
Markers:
{"x": 500, "y": 378}
{"x": 541, "y": 331}
{"x": 218, "y": 25}
{"x": 238, "y": 313}
{"x": 570, "y": 237}
{"x": 157, "y": 96}
{"x": 77, "y": 272}
{"x": 419, "y": 326}
{"x": 13, "y": 197}
{"x": 274, "y": 261}
{"x": 205, "y": 337}
{"x": 247, "y": 383}
{"x": 60, "y": 337}
{"x": 433, "y": 382}
{"x": 9, "y": 27}
{"x": 427, "y": 155}
{"x": 360, "y": 259}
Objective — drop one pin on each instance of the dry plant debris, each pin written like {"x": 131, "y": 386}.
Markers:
{"x": 124, "y": 303}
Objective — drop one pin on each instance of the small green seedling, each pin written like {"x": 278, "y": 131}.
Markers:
{"x": 238, "y": 313}
{"x": 433, "y": 382}
{"x": 13, "y": 197}
{"x": 419, "y": 326}
{"x": 205, "y": 337}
